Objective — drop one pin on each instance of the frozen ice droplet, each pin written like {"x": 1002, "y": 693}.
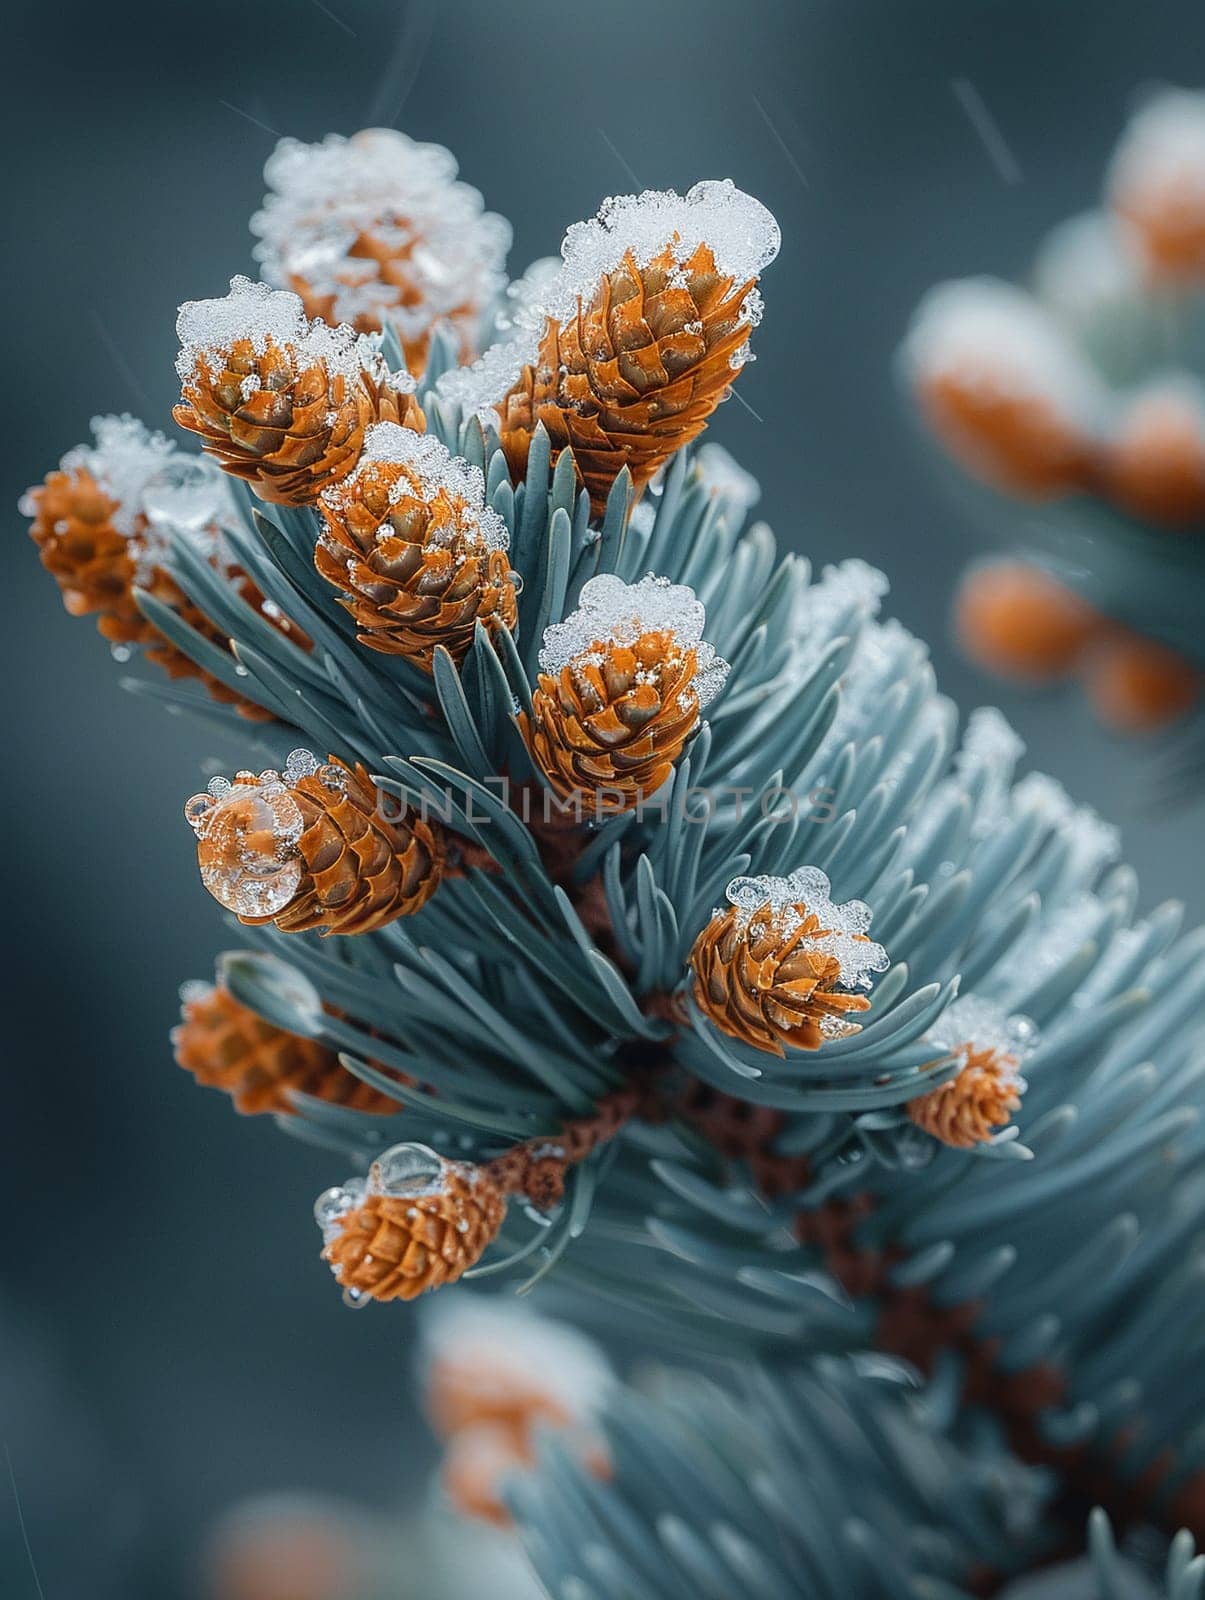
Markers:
{"x": 407, "y": 1169}
{"x": 611, "y": 611}
{"x": 186, "y": 493}
{"x": 331, "y": 1205}
{"x": 195, "y": 809}
{"x": 247, "y": 851}
{"x": 299, "y": 764}
{"x": 840, "y": 930}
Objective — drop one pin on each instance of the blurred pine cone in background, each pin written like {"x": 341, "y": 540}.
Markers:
{"x": 374, "y": 231}
{"x": 1085, "y": 396}
{"x": 104, "y": 523}
{"x": 278, "y": 401}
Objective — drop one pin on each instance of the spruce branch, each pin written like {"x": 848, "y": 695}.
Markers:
{"x": 643, "y": 923}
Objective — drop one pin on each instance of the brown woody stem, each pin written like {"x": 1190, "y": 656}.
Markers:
{"x": 537, "y": 1167}
{"x": 912, "y": 1326}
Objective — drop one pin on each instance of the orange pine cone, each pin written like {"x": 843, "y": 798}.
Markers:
{"x": 639, "y": 334}
{"x": 83, "y": 552}
{"x": 313, "y": 849}
{"x": 1138, "y": 685}
{"x": 1003, "y": 388}
{"x": 779, "y": 967}
{"x": 1155, "y": 186}
{"x": 290, "y": 1548}
{"x": 279, "y": 401}
{"x": 971, "y": 1107}
{"x": 477, "y": 1462}
{"x": 99, "y": 549}
{"x": 1016, "y": 620}
{"x": 420, "y": 1222}
{"x": 497, "y": 1395}
{"x": 418, "y": 554}
{"x": 1156, "y": 465}
{"x": 226, "y": 1046}
{"x": 625, "y": 679}
{"x": 374, "y": 231}
{"x": 1016, "y": 442}
{"x": 636, "y": 373}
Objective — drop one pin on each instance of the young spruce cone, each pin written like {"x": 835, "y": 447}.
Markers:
{"x": 988, "y": 1046}
{"x": 635, "y": 374}
{"x": 226, "y": 1046}
{"x": 279, "y": 401}
{"x": 99, "y": 550}
{"x": 624, "y": 680}
{"x": 312, "y": 849}
{"x": 419, "y": 1222}
{"x": 780, "y": 966}
{"x": 418, "y": 554}
{"x": 969, "y": 1108}
{"x": 645, "y": 331}
{"x": 374, "y": 231}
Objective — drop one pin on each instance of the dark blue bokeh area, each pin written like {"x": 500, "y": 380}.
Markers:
{"x": 171, "y": 1340}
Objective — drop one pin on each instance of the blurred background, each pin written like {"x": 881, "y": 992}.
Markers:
{"x": 170, "y": 1340}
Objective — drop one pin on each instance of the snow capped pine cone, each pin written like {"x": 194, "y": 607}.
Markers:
{"x": 418, "y": 554}
{"x": 312, "y": 849}
{"x": 95, "y": 537}
{"x": 971, "y": 1107}
{"x": 84, "y": 552}
{"x": 374, "y": 230}
{"x": 623, "y": 680}
{"x": 1155, "y": 464}
{"x": 781, "y": 966}
{"x": 226, "y": 1046}
{"x": 1154, "y": 186}
{"x": 646, "y": 325}
{"x": 279, "y": 401}
{"x": 419, "y": 1222}
{"x": 1004, "y": 389}
{"x": 975, "y": 1104}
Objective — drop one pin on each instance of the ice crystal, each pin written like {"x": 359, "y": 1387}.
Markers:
{"x": 522, "y": 307}
{"x": 435, "y": 468}
{"x": 195, "y": 990}
{"x": 266, "y": 317}
{"x": 852, "y": 587}
{"x": 972, "y": 1023}
{"x": 188, "y": 496}
{"x": 845, "y": 601}
{"x": 725, "y": 479}
{"x": 807, "y": 892}
{"x": 742, "y": 234}
{"x": 1061, "y": 935}
{"x": 613, "y": 612}
{"x": 1091, "y": 842}
{"x": 476, "y": 389}
{"x": 335, "y": 208}
{"x": 984, "y": 765}
{"x": 125, "y": 458}
{"x": 991, "y": 336}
